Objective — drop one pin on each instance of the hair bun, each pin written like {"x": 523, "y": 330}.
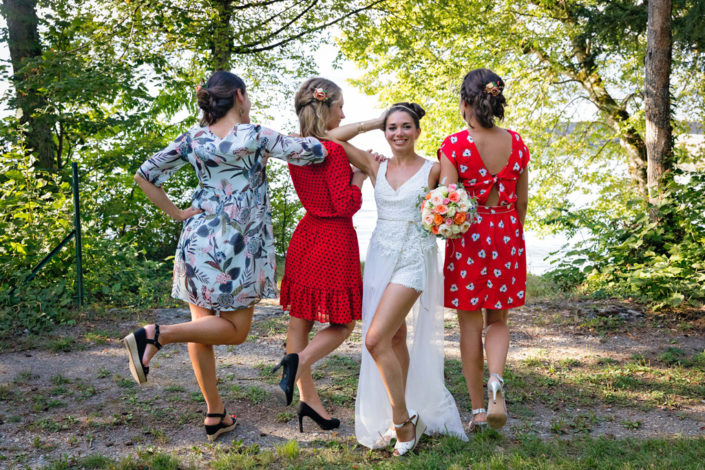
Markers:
{"x": 217, "y": 96}
{"x": 417, "y": 109}
{"x": 204, "y": 99}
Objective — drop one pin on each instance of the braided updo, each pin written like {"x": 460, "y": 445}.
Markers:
{"x": 485, "y": 104}
{"x": 412, "y": 109}
{"x": 312, "y": 111}
{"x": 217, "y": 95}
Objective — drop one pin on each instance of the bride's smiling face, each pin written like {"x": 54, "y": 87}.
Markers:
{"x": 401, "y": 131}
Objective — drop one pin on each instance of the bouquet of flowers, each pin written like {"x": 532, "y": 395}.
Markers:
{"x": 447, "y": 211}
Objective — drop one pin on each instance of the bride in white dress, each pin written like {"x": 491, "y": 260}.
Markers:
{"x": 401, "y": 391}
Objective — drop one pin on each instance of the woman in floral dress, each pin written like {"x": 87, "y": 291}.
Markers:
{"x": 225, "y": 257}
{"x": 486, "y": 268}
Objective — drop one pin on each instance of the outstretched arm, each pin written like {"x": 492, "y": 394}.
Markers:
{"x": 365, "y": 161}
{"x": 348, "y": 131}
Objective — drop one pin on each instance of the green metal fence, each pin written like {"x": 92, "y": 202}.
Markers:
{"x": 74, "y": 234}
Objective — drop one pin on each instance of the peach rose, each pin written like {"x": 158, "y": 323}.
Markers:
{"x": 454, "y": 196}
{"x": 441, "y": 209}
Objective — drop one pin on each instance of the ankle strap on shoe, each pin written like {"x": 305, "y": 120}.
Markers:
{"x": 217, "y": 415}
{"x": 155, "y": 341}
{"x": 498, "y": 377}
{"x": 478, "y": 411}
{"x": 410, "y": 420}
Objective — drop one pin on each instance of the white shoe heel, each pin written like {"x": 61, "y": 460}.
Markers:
{"x": 497, "y": 408}
{"x": 403, "y": 447}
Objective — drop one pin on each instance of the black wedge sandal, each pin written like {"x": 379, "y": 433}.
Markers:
{"x": 215, "y": 430}
{"x": 136, "y": 343}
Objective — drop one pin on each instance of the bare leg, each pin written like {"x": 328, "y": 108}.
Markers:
{"x": 470, "y": 323}
{"x": 233, "y": 329}
{"x": 496, "y": 340}
{"x": 401, "y": 351}
{"x": 395, "y": 304}
{"x": 496, "y": 346}
{"x": 322, "y": 344}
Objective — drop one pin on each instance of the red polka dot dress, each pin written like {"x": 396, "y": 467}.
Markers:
{"x": 322, "y": 279}
{"x": 486, "y": 268}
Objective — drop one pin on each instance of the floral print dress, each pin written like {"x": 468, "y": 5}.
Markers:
{"x": 486, "y": 267}
{"x": 225, "y": 258}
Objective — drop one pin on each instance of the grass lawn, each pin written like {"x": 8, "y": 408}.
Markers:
{"x": 489, "y": 450}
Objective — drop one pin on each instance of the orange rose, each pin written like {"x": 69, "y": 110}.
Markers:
{"x": 434, "y": 230}
{"x": 460, "y": 217}
{"x": 320, "y": 94}
{"x": 437, "y": 219}
{"x": 423, "y": 204}
{"x": 428, "y": 196}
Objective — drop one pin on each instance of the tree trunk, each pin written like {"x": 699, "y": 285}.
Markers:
{"x": 24, "y": 45}
{"x": 659, "y": 144}
{"x": 222, "y": 38}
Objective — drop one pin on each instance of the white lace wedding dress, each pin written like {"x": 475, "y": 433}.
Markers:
{"x": 401, "y": 252}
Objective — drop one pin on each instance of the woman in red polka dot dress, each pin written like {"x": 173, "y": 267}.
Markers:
{"x": 322, "y": 279}
{"x": 486, "y": 268}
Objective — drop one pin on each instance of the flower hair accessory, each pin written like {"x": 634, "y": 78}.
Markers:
{"x": 320, "y": 94}
{"x": 494, "y": 88}
{"x": 203, "y": 85}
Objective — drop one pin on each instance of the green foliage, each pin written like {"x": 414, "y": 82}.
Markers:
{"x": 37, "y": 213}
{"x": 286, "y": 207}
{"x": 662, "y": 263}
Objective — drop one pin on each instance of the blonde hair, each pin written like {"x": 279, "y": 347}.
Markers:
{"x": 313, "y": 113}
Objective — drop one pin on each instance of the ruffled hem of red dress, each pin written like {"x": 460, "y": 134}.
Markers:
{"x": 339, "y": 306}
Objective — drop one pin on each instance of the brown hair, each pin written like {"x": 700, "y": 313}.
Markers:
{"x": 313, "y": 113}
{"x": 485, "y": 105}
{"x": 217, "y": 95}
{"x": 412, "y": 109}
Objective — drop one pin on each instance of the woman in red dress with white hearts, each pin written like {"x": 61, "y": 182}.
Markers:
{"x": 486, "y": 268}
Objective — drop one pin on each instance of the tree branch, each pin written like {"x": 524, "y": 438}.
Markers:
{"x": 306, "y": 32}
{"x": 285, "y": 26}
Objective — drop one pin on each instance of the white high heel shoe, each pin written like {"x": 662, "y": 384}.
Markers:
{"x": 496, "y": 408}
{"x": 403, "y": 447}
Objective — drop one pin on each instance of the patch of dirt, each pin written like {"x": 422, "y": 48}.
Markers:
{"x": 84, "y": 401}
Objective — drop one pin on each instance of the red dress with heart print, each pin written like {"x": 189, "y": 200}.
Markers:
{"x": 486, "y": 268}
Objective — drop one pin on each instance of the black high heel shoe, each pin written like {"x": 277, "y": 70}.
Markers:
{"x": 290, "y": 363}
{"x": 325, "y": 424}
